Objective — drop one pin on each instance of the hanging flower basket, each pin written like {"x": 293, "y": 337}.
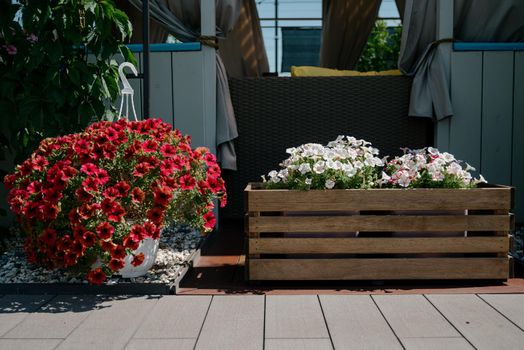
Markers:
{"x": 97, "y": 197}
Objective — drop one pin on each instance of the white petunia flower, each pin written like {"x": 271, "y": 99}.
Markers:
{"x": 330, "y": 184}
{"x": 319, "y": 167}
{"x": 304, "y": 168}
{"x": 308, "y": 181}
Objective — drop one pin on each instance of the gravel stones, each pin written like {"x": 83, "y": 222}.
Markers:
{"x": 177, "y": 244}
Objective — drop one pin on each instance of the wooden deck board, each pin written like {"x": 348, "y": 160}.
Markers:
{"x": 297, "y": 316}
{"x": 436, "y": 343}
{"x": 510, "y": 305}
{"x": 355, "y": 322}
{"x": 412, "y": 316}
{"x": 294, "y": 344}
{"x": 175, "y": 318}
{"x": 111, "y": 325}
{"x": 483, "y": 326}
{"x": 55, "y": 319}
{"x": 233, "y": 323}
{"x": 14, "y": 308}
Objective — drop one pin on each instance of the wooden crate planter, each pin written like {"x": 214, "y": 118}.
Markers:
{"x": 299, "y": 235}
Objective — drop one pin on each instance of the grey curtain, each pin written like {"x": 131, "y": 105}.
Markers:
{"x": 345, "y": 31}
{"x": 182, "y": 19}
{"x": 488, "y": 20}
{"x": 423, "y": 58}
{"x": 157, "y": 33}
{"x": 243, "y": 51}
{"x": 401, "y": 5}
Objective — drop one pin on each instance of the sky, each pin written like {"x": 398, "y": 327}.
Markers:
{"x": 310, "y": 9}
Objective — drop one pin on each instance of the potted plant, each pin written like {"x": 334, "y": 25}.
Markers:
{"x": 93, "y": 200}
{"x": 336, "y": 206}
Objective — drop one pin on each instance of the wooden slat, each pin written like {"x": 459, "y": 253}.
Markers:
{"x": 478, "y": 322}
{"x": 297, "y": 316}
{"x": 355, "y": 322}
{"x": 379, "y": 245}
{"x": 381, "y": 223}
{"x": 497, "y": 116}
{"x": 489, "y": 198}
{"x": 466, "y": 95}
{"x": 383, "y": 269}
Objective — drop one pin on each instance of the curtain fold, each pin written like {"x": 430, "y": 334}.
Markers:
{"x": 422, "y": 57}
{"x": 345, "y": 31}
{"x": 182, "y": 19}
{"x": 401, "y": 5}
{"x": 243, "y": 51}
{"x": 157, "y": 33}
{"x": 488, "y": 20}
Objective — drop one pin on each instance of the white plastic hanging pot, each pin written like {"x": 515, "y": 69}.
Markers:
{"x": 149, "y": 247}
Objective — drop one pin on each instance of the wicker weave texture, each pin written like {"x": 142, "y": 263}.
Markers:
{"x": 277, "y": 113}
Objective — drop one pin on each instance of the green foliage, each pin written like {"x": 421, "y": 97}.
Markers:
{"x": 48, "y": 84}
{"x": 382, "y": 49}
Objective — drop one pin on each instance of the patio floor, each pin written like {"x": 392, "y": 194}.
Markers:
{"x": 433, "y": 321}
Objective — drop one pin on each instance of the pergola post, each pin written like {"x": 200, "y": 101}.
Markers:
{"x": 444, "y": 31}
{"x": 145, "y": 63}
{"x": 207, "y": 13}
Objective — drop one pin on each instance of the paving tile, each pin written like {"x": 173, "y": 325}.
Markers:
{"x": 412, "y": 316}
{"x": 15, "y": 308}
{"x": 175, "y": 317}
{"x": 29, "y": 344}
{"x": 233, "y": 322}
{"x": 111, "y": 325}
{"x": 478, "y": 322}
{"x": 161, "y": 344}
{"x": 56, "y": 319}
{"x": 436, "y": 344}
{"x": 355, "y": 322}
{"x": 510, "y": 305}
{"x": 296, "y": 344}
{"x": 294, "y": 316}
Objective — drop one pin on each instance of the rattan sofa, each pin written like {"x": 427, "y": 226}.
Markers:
{"x": 276, "y": 113}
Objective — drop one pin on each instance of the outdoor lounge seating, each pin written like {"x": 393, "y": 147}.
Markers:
{"x": 277, "y": 113}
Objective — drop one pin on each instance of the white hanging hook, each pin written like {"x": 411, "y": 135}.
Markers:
{"x": 127, "y": 91}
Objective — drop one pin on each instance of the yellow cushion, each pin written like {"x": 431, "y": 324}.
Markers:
{"x": 309, "y": 71}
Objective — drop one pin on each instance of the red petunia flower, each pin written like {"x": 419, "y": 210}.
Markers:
{"x": 137, "y": 233}
{"x": 90, "y": 184}
{"x": 96, "y": 276}
{"x": 210, "y": 221}
{"x": 149, "y": 146}
{"x": 162, "y": 196}
{"x": 39, "y": 163}
{"x": 156, "y": 215}
{"x": 187, "y": 182}
{"x": 138, "y": 259}
{"x": 118, "y": 252}
{"x": 89, "y": 169}
{"x": 89, "y": 239}
{"x": 130, "y": 243}
{"x": 142, "y": 169}
{"x": 116, "y": 264}
{"x": 137, "y": 195}
{"x": 168, "y": 150}
{"x": 105, "y": 230}
{"x": 48, "y": 236}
